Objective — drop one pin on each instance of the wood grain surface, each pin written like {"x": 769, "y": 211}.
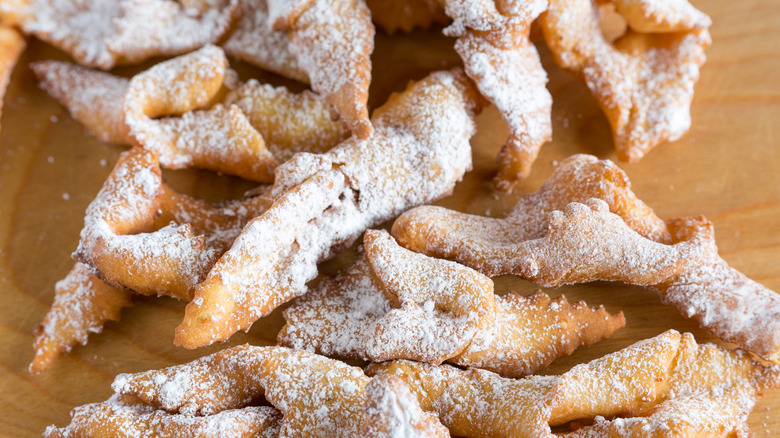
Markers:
{"x": 726, "y": 168}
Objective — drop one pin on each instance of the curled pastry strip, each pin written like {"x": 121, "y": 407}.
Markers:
{"x": 588, "y": 243}
{"x": 644, "y": 80}
{"x": 324, "y": 202}
{"x": 392, "y": 410}
{"x": 82, "y": 304}
{"x": 116, "y": 240}
{"x": 646, "y": 382}
{"x": 11, "y": 46}
{"x": 220, "y": 139}
{"x": 333, "y": 41}
{"x": 316, "y": 395}
{"x": 254, "y": 41}
{"x": 289, "y": 122}
{"x": 474, "y": 240}
{"x": 395, "y": 304}
{"x": 104, "y": 33}
{"x": 126, "y": 416}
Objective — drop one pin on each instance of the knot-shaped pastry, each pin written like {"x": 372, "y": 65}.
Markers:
{"x": 396, "y": 304}
{"x": 323, "y": 203}
{"x": 613, "y": 236}
{"x": 643, "y": 80}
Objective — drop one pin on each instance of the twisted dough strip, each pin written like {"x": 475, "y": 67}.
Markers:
{"x": 11, "y": 46}
{"x": 324, "y": 202}
{"x": 648, "y": 381}
{"x": 644, "y": 80}
{"x": 493, "y": 41}
{"x": 82, "y": 304}
{"x": 587, "y": 243}
{"x": 254, "y": 41}
{"x": 220, "y": 139}
{"x": 289, "y": 122}
{"x": 121, "y": 111}
{"x": 124, "y": 416}
{"x": 393, "y": 411}
{"x": 395, "y": 304}
{"x": 104, "y": 33}
{"x": 317, "y": 396}
{"x": 333, "y": 41}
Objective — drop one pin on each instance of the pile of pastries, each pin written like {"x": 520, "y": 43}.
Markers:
{"x": 328, "y": 175}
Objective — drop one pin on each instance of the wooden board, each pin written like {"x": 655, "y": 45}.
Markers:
{"x": 726, "y": 168}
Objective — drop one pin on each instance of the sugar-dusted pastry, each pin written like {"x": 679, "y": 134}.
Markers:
{"x": 289, "y": 122}
{"x": 220, "y": 138}
{"x": 125, "y": 416}
{"x": 255, "y": 41}
{"x": 82, "y": 304}
{"x": 323, "y": 203}
{"x": 644, "y": 79}
{"x": 317, "y": 396}
{"x": 493, "y": 41}
{"x": 654, "y": 382}
{"x": 392, "y": 410}
{"x": 332, "y": 41}
{"x": 125, "y": 111}
{"x": 396, "y": 304}
{"x": 11, "y": 46}
{"x": 105, "y": 33}
{"x": 626, "y": 246}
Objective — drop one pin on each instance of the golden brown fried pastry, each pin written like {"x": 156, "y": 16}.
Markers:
{"x": 117, "y": 242}
{"x": 668, "y": 382}
{"x": 104, "y": 33}
{"x": 646, "y": 382}
{"x": 82, "y": 304}
{"x": 11, "y": 46}
{"x": 124, "y": 111}
{"x": 406, "y": 15}
{"x": 289, "y": 122}
{"x": 220, "y": 139}
{"x": 393, "y": 411}
{"x": 643, "y": 80}
{"x": 323, "y": 203}
{"x": 586, "y": 243}
{"x": 253, "y": 40}
{"x": 125, "y": 416}
{"x": 333, "y": 41}
{"x": 396, "y": 304}
{"x": 317, "y": 396}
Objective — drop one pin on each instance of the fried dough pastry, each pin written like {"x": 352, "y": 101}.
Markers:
{"x": 104, "y": 33}
{"x": 323, "y": 203}
{"x": 141, "y": 235}
{"x": 125, "y": 416}
{"x": 393, "y": 411}
{"x": 317, "y": 396}
{"x": 253, "y": 40}
{"x": 646, "y": 382}
{"x": 644, "y": 80}
{"x": 587, "y": 243}
{"x": 333, "y": 41}
{"x": 220, "y": 139}
{"x": 11, "y": 46}
{"x": 289, "y": 122}
{"x": 493, "y": 41}
{"x": 396, "y": 304}
{"x": 121, "y": 111}
{"x": 406, "y": 15}
{"x": 82, "y": 304}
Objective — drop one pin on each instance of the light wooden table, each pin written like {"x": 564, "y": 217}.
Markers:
{"x": 726, "y": 168}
